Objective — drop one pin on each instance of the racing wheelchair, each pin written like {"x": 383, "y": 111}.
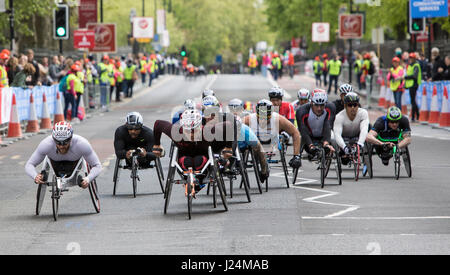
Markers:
{"x": 188, "y": 177}
{"x": 358, "y": 158}
{"x": 64, "y": 175}
{"x": 322, "y": 157}
{"x": 396, "y": 153}
{"x": 135, "y": 168}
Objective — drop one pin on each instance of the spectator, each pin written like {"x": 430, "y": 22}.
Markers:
{"x": 438, "y": 65}
{"x": 36, "y": 76}
{"x": 396, "y": 81}
{"x": 55, "y": 71}
{"x": 425, "y": 65}
{"x": 23, "y": 60}
{"x": 447, "y": 64}
{"x": 20, "y": 79}
{"x": 14, "y": 68}
{"x": 44, "y": 72}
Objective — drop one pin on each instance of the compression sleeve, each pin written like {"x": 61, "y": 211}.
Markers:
{"x": 36, "y": 158}
{"x": 91, "y": 158}
{"x": 304, "y": 131}
{"x": 338, "y": 126}
{"x": 159, "y": 128}
{"x": 119, "y": 145}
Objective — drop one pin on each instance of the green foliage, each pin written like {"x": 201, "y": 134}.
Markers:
{"x": 24, "y": 10}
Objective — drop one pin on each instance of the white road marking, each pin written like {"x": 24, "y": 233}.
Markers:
{"x": 274, "y": 83}
{"x": 303, "y": 181}
{"x": 15, "y": 157}
{"x": 378, "y": 218}
{"x": 261, "y": 236}
{"x": 214, "y": 78}
{"x": 2, "y": 157}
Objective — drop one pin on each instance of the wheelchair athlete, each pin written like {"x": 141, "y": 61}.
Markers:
{"x": 314, "y": 123}
{"x": 285, "y": 109}
{"x": 64, "y": 149}
{"x": 351, "y": 126}
{"x": 267, "y": 125}
{"x": 134, "y": 136}
{"x": 388, "y": 131}
{"x": 189, "y": 104}
{"x": 247, "y": 139}
{"x": 303, "y": 97}
{"x": 191, "y": 138}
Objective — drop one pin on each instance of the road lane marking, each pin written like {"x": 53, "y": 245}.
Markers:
{"x": 315, "y": 199}
{"x": 378, "y": 218}
{"x": 15, "y": 157}
{"x": 214, "y": 78}
{"x": 2, "y": 157}
{"x": 274, "y": 83}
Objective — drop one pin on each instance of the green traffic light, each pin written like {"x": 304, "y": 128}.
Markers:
{"x": 61, "y": 31}
{"x": 183, "y": 53}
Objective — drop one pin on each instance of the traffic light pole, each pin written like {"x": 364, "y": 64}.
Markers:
{"x": 11, "y": 23}
{"x": 350, "y": 54}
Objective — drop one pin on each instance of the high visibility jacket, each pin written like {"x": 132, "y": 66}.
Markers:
{"x": 152, "y": 66}
{"x": 317, "y": 65}
{"x": 128, "y": 72}
{"x": 89, "y": 76}
{"x": 104, "y": 75}
{"x": 334, "y": 67}
{"x": 276, "y": 63}
{"x": 396, "y": 85}
{"x": 79, "y": 87}
{"x": 410, "y": 72}
{"x": 325, "y": 65}
{"x": 76, "y": 83}
{"x": 358, "y": 67}
{"x": 119, "y": 74}
{"x": 112, "y": 80}
{"x": 252, "y": 63}
{"x": 3, "y": 77}
{"x": 144, "y": 65}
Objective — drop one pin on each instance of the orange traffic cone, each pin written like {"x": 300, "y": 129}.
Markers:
{"x": 33, "y": 125}
{"x": 404, "y": 105}
{"x": 46, "y": 121}
{"x": 59, "y": 114}
{"x": 392, "y": 101}
{"x": 14, "y": 130}
{"x": 382, "y": 99}
{"x": 444, "y": 119}
{"x": 424, "y": 113}
{"x": 434, "y": 110}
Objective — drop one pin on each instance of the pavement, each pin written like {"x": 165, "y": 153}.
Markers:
{"x": 377, "y": 216}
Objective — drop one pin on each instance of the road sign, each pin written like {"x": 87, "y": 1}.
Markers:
{"x": 161, "y": 21}
{"x": 2, "y": 6}
{"x": 378, "y": 36}
{"x": 321, "y": 32}
{"x": 84, "y": 39}
{"x": 87, "y": 12}
{"x": 351, "y": 26}
{"x": 105, "y": 37}
{"x": 429, "y": 8}
{"x": 143, "y": 27}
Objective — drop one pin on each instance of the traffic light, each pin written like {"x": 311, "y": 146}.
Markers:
{"x": 418, "y": 25}
{"x": 183, "y": 51}
{"x": 61, "y": 22}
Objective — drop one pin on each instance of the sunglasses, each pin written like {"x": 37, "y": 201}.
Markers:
{"x": 319, "y": 105}
{"x": 353, "y": 105}
{"x": 63, "y": 143}
{"x": 133, "y": 127}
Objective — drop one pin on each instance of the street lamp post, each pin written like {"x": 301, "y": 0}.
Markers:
{"x": 350, "y": 54}
{"x": 143, "y": 8}
{"x": 101, "y": 11}
{"x": 11, "y": 23}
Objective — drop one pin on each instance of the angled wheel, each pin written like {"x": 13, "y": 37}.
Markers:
{"x": 55, "y": 201}
{"x": 93, "y": 190}
{"x": 134, "y": 175}
{"x": 285, "y": 168}
{"x": 244, "y": 176}
{"x": 407, "y": 161}
{"x": 256, "y": 169}
{"x": 169, "y": 184}
{"x": 356, "y": 163}
{"x": 160, "y": 173}
{"x": 338, "y": 167}
{"x": 367, "y": 160}
{"x": 116, "y": 175}
{"x": 323, "y": 167}
{"x": 397, "y": 164}
{"x": 42, "y": 188}
{"x": 220, "y": 185}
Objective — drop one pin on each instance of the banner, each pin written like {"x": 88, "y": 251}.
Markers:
{"x": 105, "y": 37}
{"x": 321, "y": 32}
{"x": 351, "y": 26}
{"x": 161, "y": 21}
{"x": 87, "y": 12}
{"x": 430, "y": 87}
{"x": 143, "y": 27}
{"x": 23, "y": 101}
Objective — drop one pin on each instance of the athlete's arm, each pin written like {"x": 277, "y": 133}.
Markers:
{"x": 372, "y": 138}
{"x": 406, "y": 140}
{"x": 304, "y": 131}
{"x": 287, "y": 126}
{"x": 119, "y": 145}
{"x": 338, "y": 126}
{"x": 92, "y": 159}
{"x": 36, "y": 158}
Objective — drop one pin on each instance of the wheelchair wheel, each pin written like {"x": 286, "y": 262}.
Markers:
{"x": 220, "y": 184}
{"x": 323, "y": 167}
{"x": 116, "y": 175}
{"x": 367, "y": 160}
{"x": 160, "y": 173}
{"x": 169, "y": 184}
{"x": 370, "y": 159}
{"x": 244, "y": 176}
{"x": 256, "y": 168}
{"x": 93, "y": 190}
{"x": 283, "y": 162}
{"x": 407, "y": 161}
{"x": 397, "y": 164}
{"x": 338, "y": 167}
{"x": 134, "y": 175}
{"x": 356, "y": 163}
{"x": 42, "y": 188}
{"x": 189, "y": 186}
{"x": 55, "y": 201}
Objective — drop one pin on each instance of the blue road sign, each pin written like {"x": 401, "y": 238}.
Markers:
{"x": 218, "y": 59}
{"x": 428, "y": 8}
